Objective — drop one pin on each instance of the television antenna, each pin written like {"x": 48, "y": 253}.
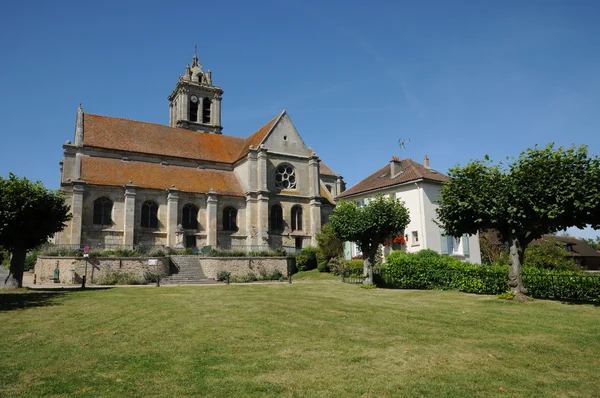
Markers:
{"x": 402, "y": 143}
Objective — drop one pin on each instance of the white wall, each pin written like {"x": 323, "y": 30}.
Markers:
{"x": 419, "y": 198}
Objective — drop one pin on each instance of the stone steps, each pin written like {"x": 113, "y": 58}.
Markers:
{"x": 187, "y": 270}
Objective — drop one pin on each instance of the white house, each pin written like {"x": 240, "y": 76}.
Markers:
{"x": 418, "y": 186}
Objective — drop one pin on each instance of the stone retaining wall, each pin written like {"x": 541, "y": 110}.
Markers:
{"x": 97, "y": 267}
{"x": 239, "y": 266}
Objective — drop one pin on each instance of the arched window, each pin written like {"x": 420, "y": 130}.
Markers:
{"x": 150, "y": 214}
{"x": 206, "y": 110}
{"x": 285, "y": 177}
{"x": 102, "y": 211}
{"x": 276, "y": 218}
{"x": 189, "y": 218}
{"x": 229, "y": 219}
{"x": 296, "y": 218}
{"x": 193, "y": 108}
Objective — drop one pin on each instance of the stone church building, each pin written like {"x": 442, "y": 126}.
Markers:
{"x": 189, "y": 185}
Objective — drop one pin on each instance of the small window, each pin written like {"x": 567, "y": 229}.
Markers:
{"x": 150, "y": 214}
{"x": 276, "y": 218}
{"x": 285, "y": 177}
{"x": 415, "y": 238}
{"x": 206, "y": 104}
{"x": 229, "y": 219}
{"x": 296, "y": 218}
{"x": 103, "y": 211}
{"x": 329, "y": 187}
{"x": 189, "y": 218}
{"x": 569, "y": 248}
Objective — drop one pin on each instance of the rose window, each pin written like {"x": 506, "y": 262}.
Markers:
{"x": 285, "y": 177}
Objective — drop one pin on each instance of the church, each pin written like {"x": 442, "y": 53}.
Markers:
{"x": 189, "y": 185}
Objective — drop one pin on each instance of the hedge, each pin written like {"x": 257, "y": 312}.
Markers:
{"x": 429, "y": 270}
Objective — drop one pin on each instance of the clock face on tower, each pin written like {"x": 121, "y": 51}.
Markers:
{"x": 194, "y": 99}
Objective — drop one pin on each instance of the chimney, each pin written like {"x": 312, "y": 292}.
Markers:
{"x": 426, "y": 162}
{"x": 395, "y": 167}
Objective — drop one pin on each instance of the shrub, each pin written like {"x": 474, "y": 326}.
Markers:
{"x": 549, "y": 254}
{"x": 111, "y": 277}
{"x": 157, "y": 253}
{"x": 274, "y": 275}
{"x": 223, "y": 275}
{"x": 506, "y": 296}
{"x": 249, "y": 277}
{"x": 5, "y": 258}
{"x": 30, "y": 261}
{"x": 355, "y": 265}
{"x": 151, "y": 277}
{"x": 322, "y": 262}
{"x": 429, "y": 271}
{"x": 337, "y": 265}
{"x": 307, "y": 259}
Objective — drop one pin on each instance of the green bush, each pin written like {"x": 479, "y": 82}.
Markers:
{"x": 30, "y": 261}
{"x": 223, "y": 275}
{"x": 249, "y": 277}
{"x": 5, "y": 258}
{"x": 433, "y": 271}
{"x": 307, "y": 259}
{"x": 274, "y": 275}
{"x": 322, "y": 262}
{"x": 157, "y": 253}
{"x": 549, "y": 254}
{"x": 111, "y": 277}
{"x": 355, "y": 266}
{"x": 151, "y": 277}
{"x": 337, "y": 265}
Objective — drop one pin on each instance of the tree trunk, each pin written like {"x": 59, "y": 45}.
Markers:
{"x": 515, "y": 273}
{"x": 17, "y": 264}
{"x": 368, "y": 262}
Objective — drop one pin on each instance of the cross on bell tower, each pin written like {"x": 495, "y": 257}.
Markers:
{"x": 195, "y": 103}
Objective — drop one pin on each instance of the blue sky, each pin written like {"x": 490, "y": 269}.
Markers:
{"x": 461, "y": 79}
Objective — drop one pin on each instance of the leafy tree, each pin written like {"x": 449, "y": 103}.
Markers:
{"x": 369, "y": 226}
{"x": 543, "y": 191}
{"x": 548, "y": 253}
{"x": 492, "y": 249}
{"x": 29, "y": 215}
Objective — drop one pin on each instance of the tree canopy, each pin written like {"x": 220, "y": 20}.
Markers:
{"x": 370, "y": 225}
{"x": 544, "y": 190}
{"x": 29, "y": 215}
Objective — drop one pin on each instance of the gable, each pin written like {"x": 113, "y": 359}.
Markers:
{"x": 284, "y": 138}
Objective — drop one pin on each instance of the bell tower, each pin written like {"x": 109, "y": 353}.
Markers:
{"x": 195, "y": 104}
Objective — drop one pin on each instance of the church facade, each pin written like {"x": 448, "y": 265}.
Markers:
{"x": 187, "y": 184}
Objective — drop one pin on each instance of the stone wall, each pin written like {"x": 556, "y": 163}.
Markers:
{"x": 239, "y": 266}
{"x": 97, "y": 267}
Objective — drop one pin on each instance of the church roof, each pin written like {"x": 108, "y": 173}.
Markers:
{"x": 323, "y": 169}
{"x": 412, "y": 171}
{"x": 105, "y": 171}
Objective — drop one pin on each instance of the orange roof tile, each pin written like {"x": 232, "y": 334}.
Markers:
{"x": 382, "y": 178}
{"x": 256, "y": 138}
{"x": 114, "y": 172}
{"x": 135, "y": 136}
{"x": 323, "y": 169}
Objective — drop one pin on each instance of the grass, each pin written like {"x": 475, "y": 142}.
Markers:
{"x": 293, "y": 340}
{"x": 315, "y": 275}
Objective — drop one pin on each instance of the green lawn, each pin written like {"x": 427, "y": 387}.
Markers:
{"x": 294, "y": 340}
{"x": 315, "y": 275}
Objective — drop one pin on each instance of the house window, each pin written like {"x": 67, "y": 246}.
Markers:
{"x": 206, "y": 110}
{"x": 569, "y": 248}
{"x": 276, "y": 218}
{"x": 415, "y": 238}
{"x": 285, "y": 177}
{"x": 456, "y": 245}
{"x": 102, "y": 211}
{"x": 150, "y": 214}
{"x": 189, "y": 218}
{"x": 329, "y": 188}
{"x": 229, "y": 219}
{"x": 296, "y": 218}
{"x": 360, "y": 203}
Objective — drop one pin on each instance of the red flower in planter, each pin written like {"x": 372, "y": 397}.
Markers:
{"x": 386, "y": 242}
{"x": 400, "y": 239}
